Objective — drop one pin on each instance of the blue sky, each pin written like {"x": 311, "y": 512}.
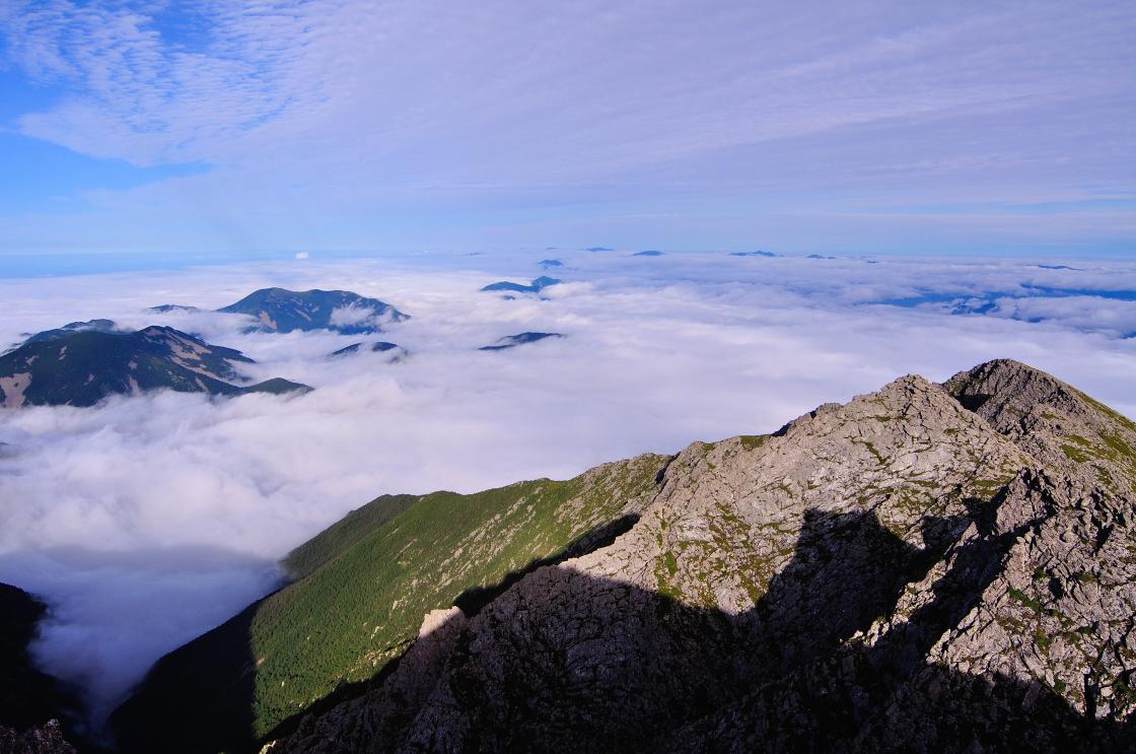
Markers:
{"x": 876, "y": 127}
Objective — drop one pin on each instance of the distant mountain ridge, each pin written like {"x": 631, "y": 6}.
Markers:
{"x": 82, "y": 367}
{"x": 280, "y": 310}
{"x": 536, "y": 286}
{"x": 758, "y": 253}
{"x": 520, "y": 339}
{"x": 96, "y": 325}
{"x": 81, "y": 363}
{"x": 378, "y": 346}
{"x": 925, "y": 568}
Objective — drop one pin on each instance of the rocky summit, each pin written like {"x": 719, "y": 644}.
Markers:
{"x": 927, "y": 568}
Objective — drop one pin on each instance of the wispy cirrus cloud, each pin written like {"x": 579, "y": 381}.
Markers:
{"x": 128, "y": 91}
{"x": 349, "y": 107}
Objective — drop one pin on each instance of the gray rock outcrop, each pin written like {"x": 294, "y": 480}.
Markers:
{"x": 926, "y": 568}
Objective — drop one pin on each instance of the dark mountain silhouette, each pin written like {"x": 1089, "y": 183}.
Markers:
{"x": 536, "y": 286}
{"x": 520, "y": 339}
{"x": 80, "y": 367}
{"x": 378, "y": 346}
{"x": 31, "y": 702}
{"x": 96, "y": 325}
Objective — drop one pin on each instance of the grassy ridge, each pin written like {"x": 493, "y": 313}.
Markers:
{"x": 366, "y": 583}
{"x": 358, "y": 611}
{"x": 345, "y": 532}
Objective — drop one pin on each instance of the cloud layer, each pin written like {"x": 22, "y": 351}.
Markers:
{"x": 146, "y": 520}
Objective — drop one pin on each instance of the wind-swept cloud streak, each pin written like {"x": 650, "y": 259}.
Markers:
{"x": 146, "y": 520}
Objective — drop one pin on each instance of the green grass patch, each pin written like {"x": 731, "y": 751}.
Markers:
{"x": 1020, "y": 596}
{"x": 752, "y": 442}
{"x": 880, "y": 460}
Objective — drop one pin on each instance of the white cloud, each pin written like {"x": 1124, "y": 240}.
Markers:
{"x": 403, "y": 119}
{"x": 1088, "y": 312}
{"x": 130, "y": 516}
{"x": 646, "y": 82}
{"x": 353, "y": 315}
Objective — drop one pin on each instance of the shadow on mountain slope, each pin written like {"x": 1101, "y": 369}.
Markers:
{"x": 188, "y": 712}
{"x": 194, "y": 715}
{"x": 472, "y": 600}
{"x": 28, "y": 697}
{"x": 563, "y": 661}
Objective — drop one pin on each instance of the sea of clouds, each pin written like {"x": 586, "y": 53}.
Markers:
{"x": 147, "y": 520}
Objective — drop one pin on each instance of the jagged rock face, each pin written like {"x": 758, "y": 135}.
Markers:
{"x": 1059, "y": 426}
{"x": 47, "y": 739}
{"x": 909, "y": 572}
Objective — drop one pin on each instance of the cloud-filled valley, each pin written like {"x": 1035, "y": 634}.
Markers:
{"x": 159, "y": 515}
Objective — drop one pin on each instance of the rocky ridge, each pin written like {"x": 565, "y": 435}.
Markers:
{"x": 925, "y": 568}
{"x": 45, "y": 739}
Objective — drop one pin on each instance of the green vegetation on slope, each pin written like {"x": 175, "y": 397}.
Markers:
{"x": 362, "y": 601}
{"x": 1109, "y": 449}
{"x": 344, "y": 533}
{"x": 350, "y": 617}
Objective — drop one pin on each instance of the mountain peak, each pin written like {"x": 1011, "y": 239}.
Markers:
{"x": 1057, "y": 424}
{"x": 536, "y": 286}
{"x": 82, "y": 367}
{"x": 281, "y": 310}
{"x": 1006, "y": 378}
{"x": 909, "y": 570}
